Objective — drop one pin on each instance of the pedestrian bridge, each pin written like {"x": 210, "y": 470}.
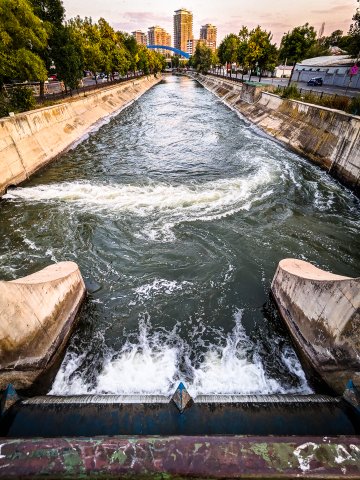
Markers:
{"x": 173, "y": 49}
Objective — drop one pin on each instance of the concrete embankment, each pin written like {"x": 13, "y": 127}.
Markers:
{"x": 30, "y": 140}
{"x": 322, "y": 312}
{"x": 330, "y": 138}
{"x": 37, "y": 317}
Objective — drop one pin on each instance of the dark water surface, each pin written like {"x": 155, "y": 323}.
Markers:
{"x": 177, "y": 213}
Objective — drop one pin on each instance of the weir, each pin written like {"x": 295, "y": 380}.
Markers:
{"x": 94, "y": 415}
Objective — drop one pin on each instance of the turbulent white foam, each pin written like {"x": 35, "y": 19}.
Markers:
{"x": 160, "y": 287}
{"x": 228, "y": 370}
{"x": 161, "y": 205}
{"x": 155, "y": 362}
{"x": 67, "y": 381}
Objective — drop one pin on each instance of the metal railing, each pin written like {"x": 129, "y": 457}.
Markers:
{"x": 88, "y": 88}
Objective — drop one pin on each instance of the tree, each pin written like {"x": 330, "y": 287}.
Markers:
{"x": 88, "y": 39}
{"x": 203, "y": 58}
{"x": 132, "y": 46}
{"x": 354, "y": 34}
{"x": 243, "y": 50}
{"x": 52, "y": 14}
{"x": 67, "y": 55}
{"x": 175, "y": 61}
{"x": 296, "y": 44}
{"x": 334, "y": 38}
{"x": 261, "y": 53}
{"x": 21, "y": 34}
{"x": 228, "y": 49}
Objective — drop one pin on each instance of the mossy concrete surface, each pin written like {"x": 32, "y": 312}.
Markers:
{"x": 181, "y": 457}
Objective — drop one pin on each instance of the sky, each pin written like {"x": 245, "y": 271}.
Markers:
{"x": 277, "y": 16}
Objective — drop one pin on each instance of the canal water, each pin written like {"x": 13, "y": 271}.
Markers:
{"x": 178, "y": 212}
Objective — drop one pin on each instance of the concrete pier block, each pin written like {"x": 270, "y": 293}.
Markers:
{"x": 37, "y": 315}
{"x": 322, "y": 312}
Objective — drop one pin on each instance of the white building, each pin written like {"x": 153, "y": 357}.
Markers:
{"x": 282, "y": 71}
{"x": 334, "y": 70}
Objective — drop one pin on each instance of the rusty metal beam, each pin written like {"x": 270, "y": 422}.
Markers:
{"x": 179, "y": 457}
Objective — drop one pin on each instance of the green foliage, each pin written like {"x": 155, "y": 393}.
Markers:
{"x": 51, "y": 11}
{"x": 319, "y": 48}
{"x": 34, "y": 37}
{"x": 17, "y": 99}
{"x": 330, "y": 101}
{"x": 228, "y": 49}
{"x": 353, "y": 46}
{"x": 21, "y": 99}
{"x": 175, "y": 61}
{"x": 22, "y": 34}
{"x": 290, "y": 92}
{"x": 261, "y": 53}
{"x": 295, "y": 45}
{"x": 334, "y": 39}
{"x": 203, "y": 58}
{"x": 354, "y": 106}
{"x": 243, "y": 49}
{"x": 67, "y": 55}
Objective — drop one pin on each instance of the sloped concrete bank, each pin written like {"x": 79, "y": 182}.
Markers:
{"x": 37, "y": 317}
{"x": 322, "y": 313}
{"x": 330, "y": 138}
{"x": 30, "y": 140}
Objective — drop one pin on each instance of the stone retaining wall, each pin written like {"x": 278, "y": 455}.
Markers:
{"x": 30, "y": 140}
{"x": 328, "y": 137}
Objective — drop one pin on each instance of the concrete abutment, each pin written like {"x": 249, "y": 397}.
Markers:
{"x": 322, "y": 313}
{"x": 38, "y": 315}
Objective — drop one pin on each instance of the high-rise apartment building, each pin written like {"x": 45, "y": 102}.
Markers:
{"x": 140, "y": 37}
{"x": 158, "y": 36}
{"x": 208, "y": 34}
{"x": 191, "y": 46}
{"x": 183, "y": 28}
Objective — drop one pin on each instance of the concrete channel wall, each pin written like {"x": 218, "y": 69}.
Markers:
{"x": 30, "y": 140}
{"x": 322, "y": 312}
{"x": 330, "y": 138}
{"x": 37, "y": 317}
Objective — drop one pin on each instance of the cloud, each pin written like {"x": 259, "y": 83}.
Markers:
{"x": 333, "y": 10}
{"x": 142, "y": 21}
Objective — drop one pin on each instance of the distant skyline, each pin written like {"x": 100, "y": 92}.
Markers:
{"x": 279, "y": 16}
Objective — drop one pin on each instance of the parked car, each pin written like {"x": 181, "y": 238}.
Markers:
{"x": 316, "y": 81}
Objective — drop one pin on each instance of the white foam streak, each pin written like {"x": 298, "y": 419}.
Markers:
{"x": 160, "y": 287}
{"x": 212, "y": 196}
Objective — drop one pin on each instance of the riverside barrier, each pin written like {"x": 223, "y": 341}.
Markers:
{"x": 330, "y": 138}
{"x": 30, "y": 140}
